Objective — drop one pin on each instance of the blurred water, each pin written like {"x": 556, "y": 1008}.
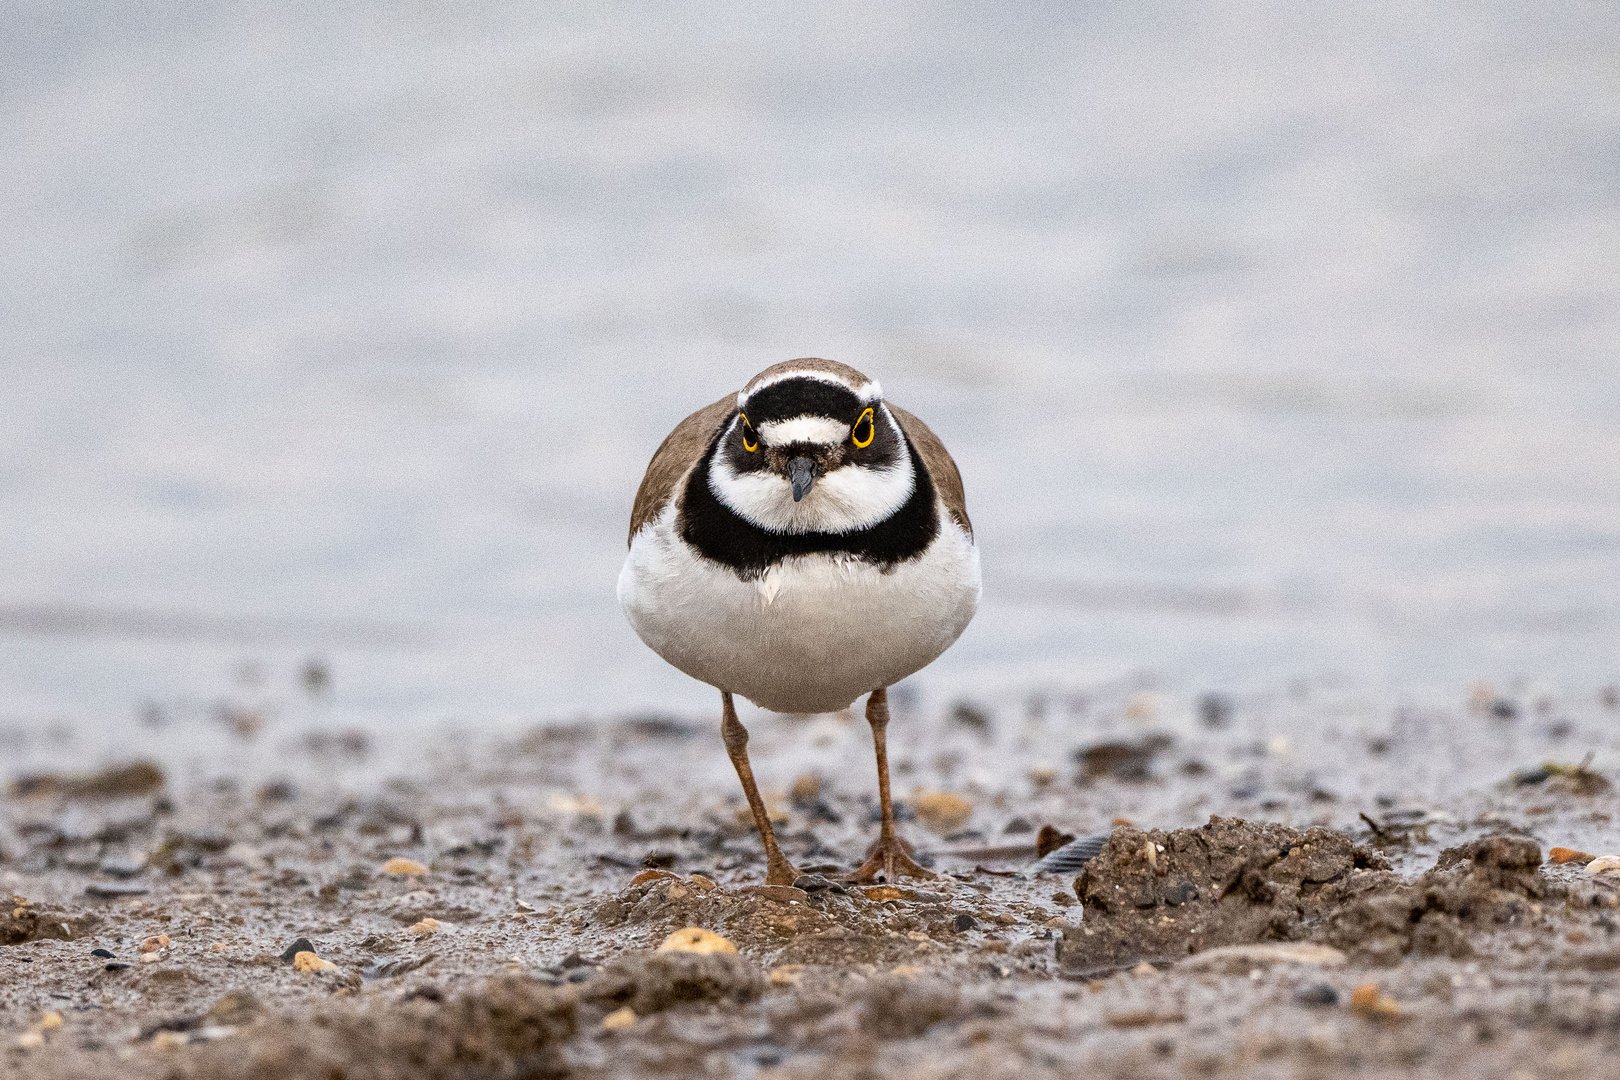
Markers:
{"x": 1274, "y": 340}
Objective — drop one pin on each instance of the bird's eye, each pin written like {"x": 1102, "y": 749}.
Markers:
{"x": 863, "y": 431}
{"x": 750, "y": 442}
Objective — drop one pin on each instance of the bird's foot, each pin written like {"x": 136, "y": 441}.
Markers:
{"x": 892, "y": 859}
{"x": 780, "y": 872}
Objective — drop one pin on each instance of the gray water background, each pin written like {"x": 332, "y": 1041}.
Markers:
{"x": 1275, "y": 341}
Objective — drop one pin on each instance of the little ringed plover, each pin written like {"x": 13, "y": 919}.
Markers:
{"x": 802, "y": 542}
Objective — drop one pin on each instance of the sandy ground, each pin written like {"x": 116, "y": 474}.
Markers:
{"x": 153, "y": 931}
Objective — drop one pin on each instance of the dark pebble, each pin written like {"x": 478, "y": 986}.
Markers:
{"x": 580, "y": 974}
{"x": 117, "y": 965}
{"x": 1317, "y": 996}
{"x": 1504, "y": 709}
{"x": 1017, "y": 825}
{"x": 965, "y": 922}
{"x": 658, "y": 860}
{"x": 815, "y": 883}
{"x": 574, "y": 960}
{"x": 111, "y": 890}
{"x": 303, "y": 944}
{"x": 1215, "y": 710}
{"x": 103, "y": 953}
{"x": 1176, "y": 895}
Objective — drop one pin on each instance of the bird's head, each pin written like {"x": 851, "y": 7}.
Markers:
{"x": 812, "y": 449}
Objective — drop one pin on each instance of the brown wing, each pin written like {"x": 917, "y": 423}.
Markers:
{"x": 941, "y": 469}
{"x": 678, "y": 453}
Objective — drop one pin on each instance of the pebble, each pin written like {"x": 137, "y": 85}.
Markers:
{"x": 1604, "y": 866}
{"x": 290, "y": 953}
{"x": 695, "y": 939}
{"x": 906, "y": 971}
{"x": 1241, "y": 958}
{"x": 1371, "y": 1003}
{"x": 30, "y": 1040}
{"x": 806, "y": 789}
{"x": 153, "y": 944}
{"x": 1143, "y": 970}
{"x": 399, "y": 866}
{"x": 941, "y": 811}
{"x": 787, "y": 975}
{"x": 704, "y": 884}
{"x": 50, "y": 1021}
{"x": 1318, "y": 995}
{"x": 964, "y": 922}
{"x": 619, "y": 1019}
{"x": 112, "y": 890}
{"x": 310, "y": 963}
{"x": 426, "y": 927}
{"x": 1560, "y": 855}
{"x": 103, "y": 953}
{"x": 653, "y": 875}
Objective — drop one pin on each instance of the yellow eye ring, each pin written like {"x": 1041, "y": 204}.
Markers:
{"x": 871, "y": 431}
{"x": 747, "y": 429}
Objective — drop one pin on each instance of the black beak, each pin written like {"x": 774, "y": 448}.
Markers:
{"x": 802, "y": 473}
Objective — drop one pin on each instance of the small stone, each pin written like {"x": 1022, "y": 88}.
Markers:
{"x": 1371, "y": 1003}
{"x": 653, "y": 875}
{"x": 103, "y": 953}
{"x": 1237, "y": 959}
{"x": 1604, "y": 866}
{"x": 309, "y": 963}
{"x": 1561, "y": 855}
{"x": 906, "y": 971}
{"x": 619, "y": 1019}
{"x": 806, "y": 789}
{"x": 703, "y": 884}
{"x": 153, "y": 944}
{"x": 787, "y": 975}
{"x": 941, "y": 811}
{"x": 695, "y": 939}
{"x": 426, "y": 927}
{"x": 30, "y": 1040}
{"x": 1042, "y": 776}
{"x": 151, "y": 958}
{"x": 290, "y": 953}
{"x": 50, "y": 1021}
{"x": 400, "y": 866}
{"x": 113, "y": 890}
{"x": 219, "y": 946}
{"x": 964, "y": 922}
{"x": 1144, "y": 970}
{"x": 169, "y": 1040}
{"x": 880, "y": 893}
{"x": 1317, "y": 996}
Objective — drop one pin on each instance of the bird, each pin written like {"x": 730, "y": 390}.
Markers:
{"x": 799, "y": 543}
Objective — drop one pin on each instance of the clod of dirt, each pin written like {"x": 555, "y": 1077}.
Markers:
{"x": 119, "y": 782}
{"x": 1474, "y": 886}
{"x": 21, "y": 921}
{"x": 1157, "y": 895}
{"x": 510, "y": 1027}
{"x": 652, "y": 982}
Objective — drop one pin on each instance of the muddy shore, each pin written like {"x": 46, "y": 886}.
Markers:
{"x": 499, "y": 911}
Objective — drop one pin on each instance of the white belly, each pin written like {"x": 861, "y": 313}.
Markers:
{"x": 810, "y": 635}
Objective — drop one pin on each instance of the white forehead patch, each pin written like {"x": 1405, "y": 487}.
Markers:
{"x": 803, "y": 429}
{"x": 869, "y": 392}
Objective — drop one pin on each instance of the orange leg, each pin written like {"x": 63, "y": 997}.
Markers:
{"x": 778, "y": 871}
{"x": 890, "y": 858}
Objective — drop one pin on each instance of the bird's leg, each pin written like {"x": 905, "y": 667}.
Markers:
{"x": 778, "y": 871}
{"x": 890, "y": 858}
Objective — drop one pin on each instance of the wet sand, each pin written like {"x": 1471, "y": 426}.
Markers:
{"x": 497, "y": 911}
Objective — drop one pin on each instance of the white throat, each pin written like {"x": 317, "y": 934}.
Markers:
{"x": 845, "y": 500}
